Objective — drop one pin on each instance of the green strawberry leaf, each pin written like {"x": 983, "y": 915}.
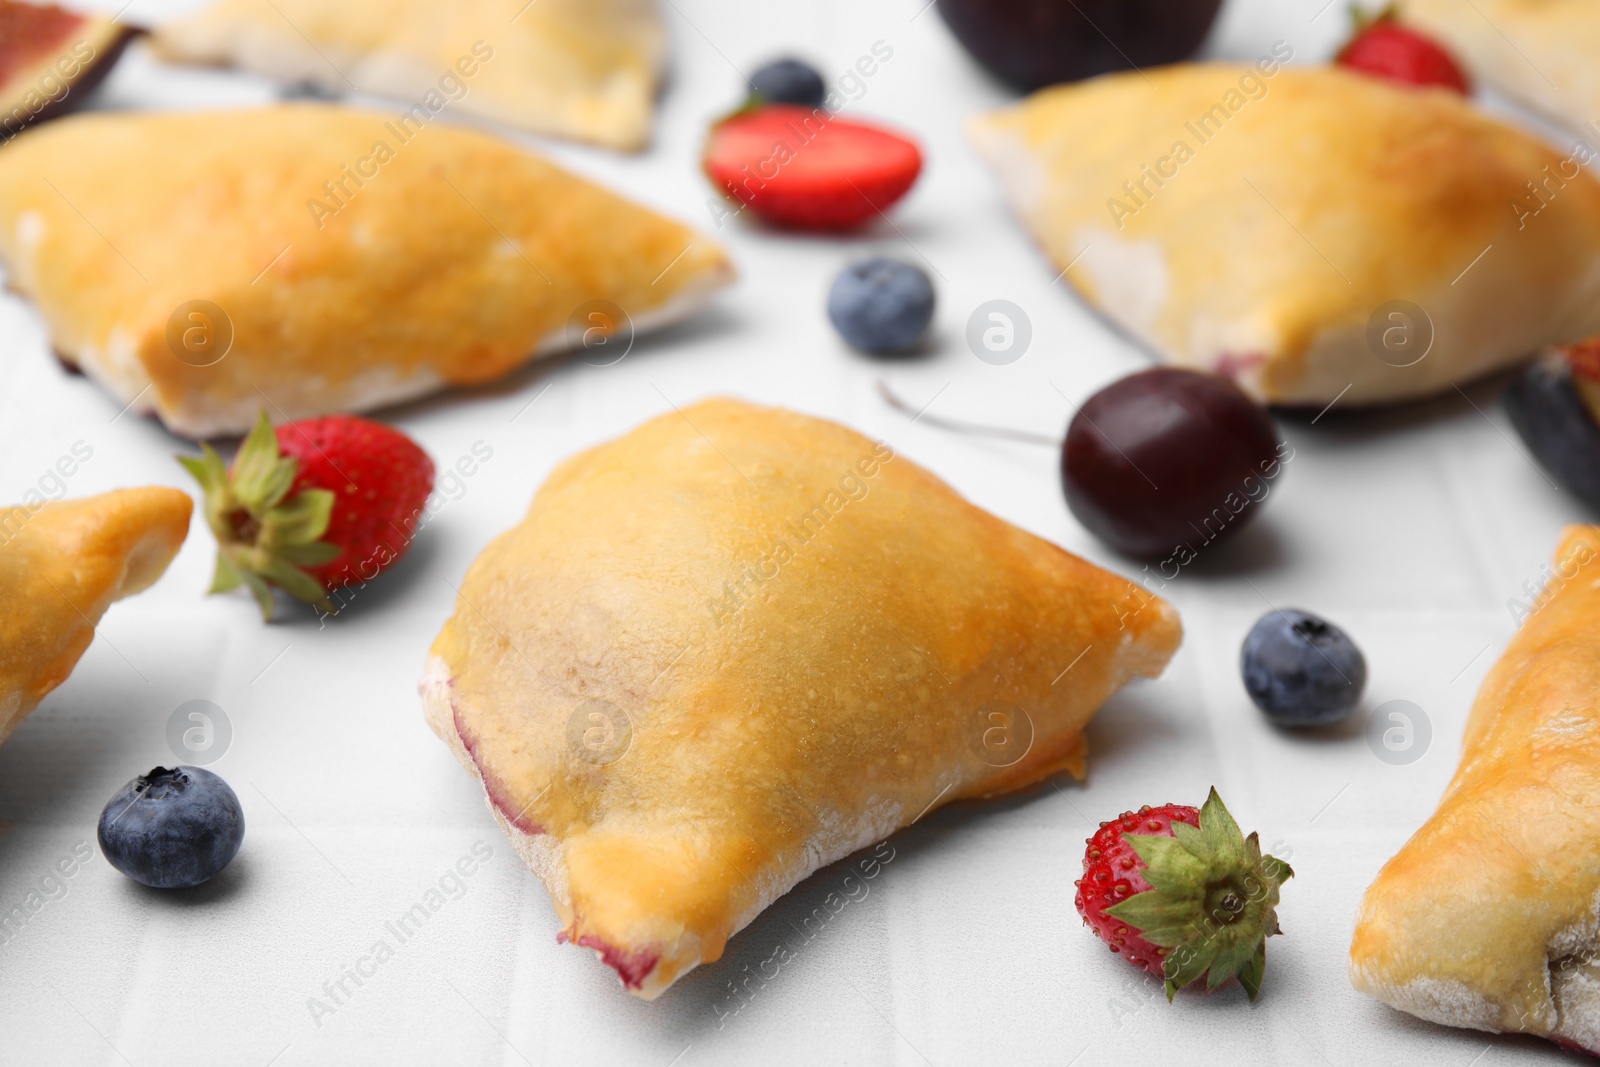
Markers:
{"x": 1187, "y": 963}
{"x": 1250, "y": 976}
{"x": 313, "y": 555}
{"x": 1229, "y": 961}
{"x": 1154, "y": 912}
{"x": 261, "y": 592}
{"x": 267, "y": 534}
{"x": 303, "y": 519}
{"x": 255, "y": 468}
{"x": 294, "y": 581}
{"x": 1167, "y": 856}
{"x": 227, "y": 576}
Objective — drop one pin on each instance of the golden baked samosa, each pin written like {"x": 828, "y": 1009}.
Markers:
{"x": 1315, "y": 234}
{"x": 309, "y": 259}
{"x": 1489, "y": 917}
{"x": 1539, "y": 52}
{"x": 585, "y": 69}
{"x": 739, "y": 643}
{"x": 61, "y": 566}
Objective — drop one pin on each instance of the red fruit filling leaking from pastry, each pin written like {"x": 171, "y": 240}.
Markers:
{"x": 498, "y": 796}
{"x": 632, "y": 967}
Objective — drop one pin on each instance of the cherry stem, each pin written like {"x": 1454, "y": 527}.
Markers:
{"x": 957, "y": 426}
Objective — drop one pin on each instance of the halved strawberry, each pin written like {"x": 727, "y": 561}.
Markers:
{"x": 312, "y": 506}
{"x": 808, "y": 169}
{"x": 1383, "y": 46}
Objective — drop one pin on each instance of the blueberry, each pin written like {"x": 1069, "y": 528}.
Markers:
{"x": 1302, "y": 670}
{"x": 881, "y": 305}
{"x": 1552, "y": 418}
{"x": 172, "y": 829}
{"x": 788, "y": 81}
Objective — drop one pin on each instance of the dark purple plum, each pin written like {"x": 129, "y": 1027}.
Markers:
{"x": 1166, "y": 458}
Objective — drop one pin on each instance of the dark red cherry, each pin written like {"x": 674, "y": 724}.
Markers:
{"x": 1033, "y": 43}
{"x": 1167, "y": 458}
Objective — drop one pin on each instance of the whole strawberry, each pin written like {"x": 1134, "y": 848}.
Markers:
{"x": 1183, "y": 894}
{"x": 312, "y": 506}
{"x": 1385, "y": 47}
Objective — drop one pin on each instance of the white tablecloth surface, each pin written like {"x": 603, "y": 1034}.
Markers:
{"x": 1412, "y": 528}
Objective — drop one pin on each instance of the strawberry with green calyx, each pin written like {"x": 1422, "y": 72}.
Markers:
{"x": 265, "y": 536}
{"x": 1385, "y": 47}
{"x": 1189, "y": 898}
{"x": 312, "y": 506}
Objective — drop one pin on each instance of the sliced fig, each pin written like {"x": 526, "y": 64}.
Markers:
{"x": 51, "y": 59}
{"x": 1555, "y": 406}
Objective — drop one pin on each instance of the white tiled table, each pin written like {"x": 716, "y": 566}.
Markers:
{"x": 1412, "y": 528}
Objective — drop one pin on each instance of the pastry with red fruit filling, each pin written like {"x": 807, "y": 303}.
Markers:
{"x": 1314, "y": 233}
{"x": 738, "y": 644}
{"x": 1540, "y": 53}
{"x": 62, "y": 565}
{"x": 202, "y": 287}
{"x": 1489, "y": 917}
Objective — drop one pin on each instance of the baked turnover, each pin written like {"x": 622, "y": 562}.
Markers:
{"x": 313, "y": 259}
{"x": 738, "y": 644}
{"x": 584, "y": 69}
{"x": 61, "y": 566}
{"x": 1540, "y": 52}
{"x": 1314, "y": 233}
{"x": 1489, "y": 917}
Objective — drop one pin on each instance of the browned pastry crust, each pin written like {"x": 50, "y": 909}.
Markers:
{"x": 739, "y": 643}
{"x": 1266, "y": 226}
{"x": 585, "y": 69}
{"x": 1490, "y": 916}
{"x": 1540, "y": 52}
{"x": 61, "y": 566}
{"x": 310, "y": 259}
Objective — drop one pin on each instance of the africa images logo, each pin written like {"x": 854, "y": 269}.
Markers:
{"x": 404, "y": 128}
{"x": 1140, "y": 190}
{"x": 854, "y": 485}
